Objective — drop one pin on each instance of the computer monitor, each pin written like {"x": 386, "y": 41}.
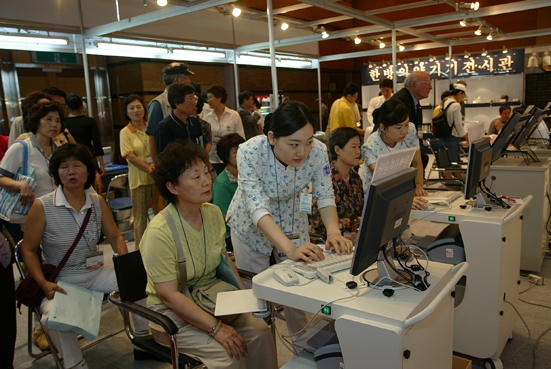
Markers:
{"x": 385, "y": 216}
{"x": 478, "y": 168}
{"x": 509, "y": 131}
{"x": 528, "y": 129}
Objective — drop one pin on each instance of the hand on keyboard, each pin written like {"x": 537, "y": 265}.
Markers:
{"x": 340, "y": 244}
{"x": 419, "y": 203}
{"x": 307, "y": 252}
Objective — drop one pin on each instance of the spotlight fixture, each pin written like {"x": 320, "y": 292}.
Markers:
{"x": 321, "y": 30}
{"x": 236, "y": 12}
{"x": 401, "y": 47}
{"x": 370, "y": 65}
{"x": 490, "y": 36}
{"x": 284, "y": 26}
{"x": 162, "y": 2}
{"x": 431, "y": 58}
{"x": 357, "y": 40}
{"x": 478, "y": 32}
{"x": 467, "y": 54}
{"x": 504, "y": 51}
{"x": 381, "y": 44}
{"x": 416, "y": 61}
{"x": 384, "y": 63}
{"x": 463, "y": 23}
{"x": 484, "y": 52}
{"x": 468, "y": 6}
{"x": 400, "y": 61}
{"x": 447, "y": 56}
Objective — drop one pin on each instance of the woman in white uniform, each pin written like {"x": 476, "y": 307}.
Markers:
{"x": 269, "y": 211}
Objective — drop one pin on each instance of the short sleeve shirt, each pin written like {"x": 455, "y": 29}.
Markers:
{"x": 375, "y": 146}
{"x": 160, "y": 257}
{"x": 267, "y": 187}
{"x": 134, "y": 141}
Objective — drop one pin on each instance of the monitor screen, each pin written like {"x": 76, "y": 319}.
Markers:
{"x": 528, "y": 129}
{"x": 480, "y": 160}
{"x": 509, "y": 131}
{"x": 385, "y": 216}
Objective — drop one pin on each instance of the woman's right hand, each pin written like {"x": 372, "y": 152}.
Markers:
{"x": 307, "y": 252}
{"x": 232, "y": 341}
{"x": 27, "y": 194}
{"x": 50, "y": 289}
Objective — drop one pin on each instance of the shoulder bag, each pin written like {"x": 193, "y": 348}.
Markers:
{"x": 29, "y": 293}
{"x": 11, "y": 209}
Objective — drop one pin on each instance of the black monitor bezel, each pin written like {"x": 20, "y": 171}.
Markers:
{"x": 505, "y": 137}
{"x": 473, "y": 176}
{"x": 528, "y": 129}
{"x": 365, "y": 254}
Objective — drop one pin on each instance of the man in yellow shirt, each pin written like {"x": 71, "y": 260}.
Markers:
{"x": 341, "y": 114}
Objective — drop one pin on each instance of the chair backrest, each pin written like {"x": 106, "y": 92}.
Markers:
{"x": 19, "y": 257}
{"x": 131, "y": 276}
{"x": 117, "y": 182}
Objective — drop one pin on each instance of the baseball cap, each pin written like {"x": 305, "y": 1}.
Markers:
{"x": 177, "y": 68}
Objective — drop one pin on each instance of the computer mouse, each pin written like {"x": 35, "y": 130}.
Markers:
{"x": 285, "y": 276}
{"x": 430, "y": 207}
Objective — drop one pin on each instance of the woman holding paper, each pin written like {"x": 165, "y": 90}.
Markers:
{"x": 395, "y": 132}
{"x": 55, "y": 220}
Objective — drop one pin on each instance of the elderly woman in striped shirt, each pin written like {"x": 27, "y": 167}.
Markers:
{"x": 56, "y": 219}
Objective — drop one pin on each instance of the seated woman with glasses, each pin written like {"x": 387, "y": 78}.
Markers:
{"x": 395, "y": 133}
{"x": 182, "y": 177}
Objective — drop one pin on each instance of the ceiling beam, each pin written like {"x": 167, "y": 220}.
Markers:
{"x": 313, "y": 38}
{"x": 346, "y": 10}
{"x": 151, "y": 17}
{"x": 397, "y": 8}
{"x": 325, "y": 21}
{"x": 482, "y": 12}
{"x": 285, "y": 9}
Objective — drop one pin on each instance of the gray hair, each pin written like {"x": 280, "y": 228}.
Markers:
{"x": 168, "y": 79}
{"x": 413, "y": 77}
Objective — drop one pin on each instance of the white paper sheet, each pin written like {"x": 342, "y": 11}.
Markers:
{"x": 78, "y": 311}
{"x": 392, "y": 162}
{"x": 236, "y": 302}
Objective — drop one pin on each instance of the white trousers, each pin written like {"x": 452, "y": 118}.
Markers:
{"x": 255, "y": 262}
{"x": 102, "y": 280}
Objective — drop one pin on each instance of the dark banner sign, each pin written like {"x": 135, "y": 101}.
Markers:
{"x": 496, "y": 63}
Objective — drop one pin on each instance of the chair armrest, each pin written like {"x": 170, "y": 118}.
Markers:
{"x": 245, "y": 274}
{"x": 153, "y": 316}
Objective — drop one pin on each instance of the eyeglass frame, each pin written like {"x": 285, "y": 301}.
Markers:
{"x": 428, "y": 83}
{"x": 194, "y": 100}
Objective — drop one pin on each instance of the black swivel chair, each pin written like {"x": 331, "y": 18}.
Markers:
{"x": 132, "y": 280}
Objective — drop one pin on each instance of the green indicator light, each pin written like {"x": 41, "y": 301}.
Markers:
{"x": 326, "y": 310}
{"x": 451, "y": 218}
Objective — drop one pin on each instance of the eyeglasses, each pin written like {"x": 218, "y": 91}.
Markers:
{"x": 194, "y": 100}
{"x": 428, "y": 83}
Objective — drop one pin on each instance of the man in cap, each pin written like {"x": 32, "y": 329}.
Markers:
{"x": 159, "y": 108}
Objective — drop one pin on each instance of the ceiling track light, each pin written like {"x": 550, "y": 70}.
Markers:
{"x": 284, "y": 26}
{"x": 504, "y": 51}
{"x": 236, "y": 12}
{"x": 162, "y": 2}
{"x": 484, "y": 52}
{"x": 467, "y": 54}
{"x": 400, "y": 61}
{"x": 431, "y": 58}
{"x": 478, "y": 32}
{"x": 467, "y": 6}
{"x": 384, "y": 63}
{"x": 447, "y": 56}
{"x": 381, "y": 44}
{"x": 416, "y": 61}
{"x": 321, "y": 29}
{"x": 463, "y": 23}
{"x": 357, "y": 40}
{"x": 401, "y": 47}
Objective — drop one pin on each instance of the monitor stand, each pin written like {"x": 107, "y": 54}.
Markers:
{"x": 385, "y": 276}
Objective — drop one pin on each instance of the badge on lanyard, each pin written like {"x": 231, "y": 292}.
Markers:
{"x": 94, "y": 259}
{"x": 149, "y": 160}
{"x": 215, "y": 139}
{"x": 306, "y": 203}
{"x": 295, "y": 238}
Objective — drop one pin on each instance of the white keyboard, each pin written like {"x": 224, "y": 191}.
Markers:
{"x": 444, "y": 198}
{"x": 333, "y": 262}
